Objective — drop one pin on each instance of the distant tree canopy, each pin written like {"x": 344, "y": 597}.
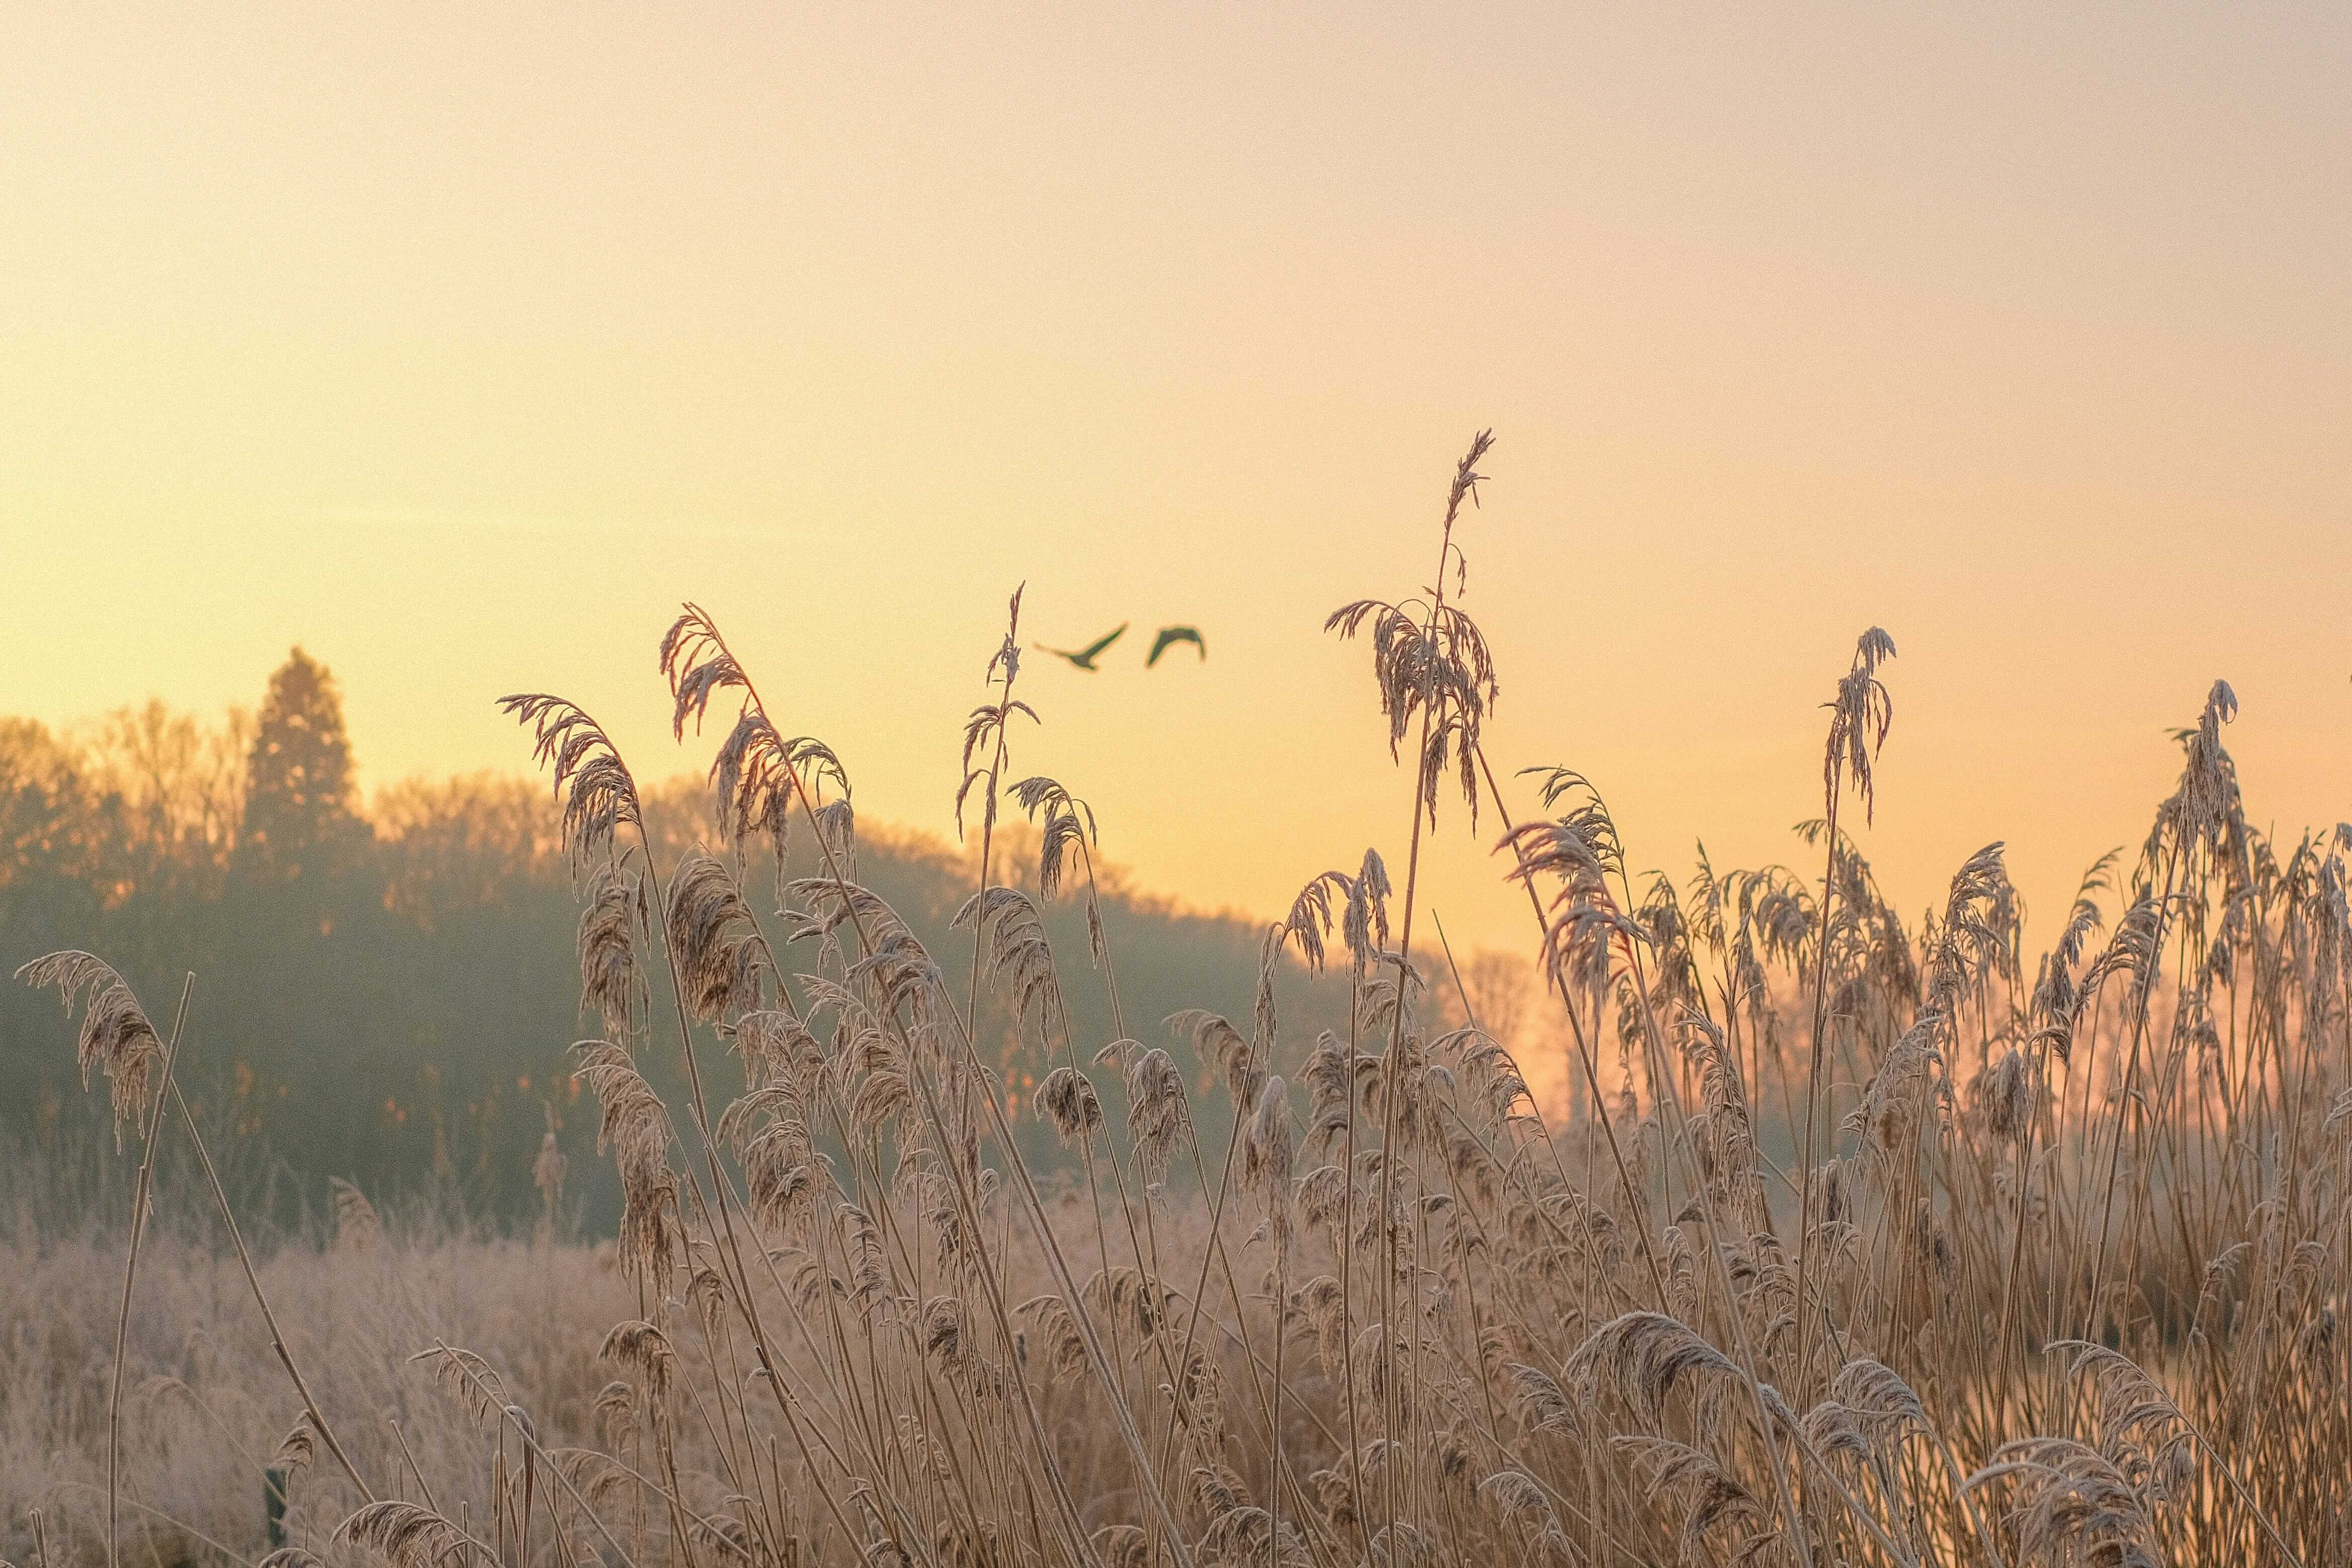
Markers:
{"x": 298, "y": 813}
{"x": 387, "y": 994}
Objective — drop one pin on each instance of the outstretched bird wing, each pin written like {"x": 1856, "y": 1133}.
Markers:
{"x": 1084, "y": 658}
{"x": 1170, "y": 634}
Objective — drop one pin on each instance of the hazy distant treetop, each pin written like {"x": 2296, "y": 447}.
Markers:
{"x": 299, "y": 793}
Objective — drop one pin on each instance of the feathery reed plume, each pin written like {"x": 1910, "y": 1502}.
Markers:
{"x": 1539, "y": 1402}
{"x": 1706, "y": 1493}
{"x": 1831, "y": 1428}
{"x": 644, "y": 1351}
{"x": 1223, "y": 1047}
{"x": 1520, "y": 1497}
{"x": 1067, "y": 1100}
{"x": 986, "y": 729}
{"x": 1639, "y": 1356}
{"x": 1860, "y": 715}
{"x": 405, "y": 1535}
{"x": 357, "y": 1225}
{"x": 1969, "y": 939}
{"x": 599, "y": 796}
{"x": 756, "y": 770}
{"x": 786, "y": 1178}
{"x": 115, "y": 1036}
{"x": 1126, "y": 1546}
{"x": 613, "y": 911}
{"x": 2206, "y": 802}
{"x": 2133, "y": 1407}
{"x": 2073, "y": 1504}
{"x": 1159, "y": 1123}
{"x": 1058, "y": 1346}
{"x": 2006, "y": 1097}
{"x": 1429, "y": 660}
{"x": 635, "y": 1128}
{"x": 723, "y": 963}
{"x": 1310, "y": 920}
{"x": 1008, "y": 923}
{"x": 752, "y": 775}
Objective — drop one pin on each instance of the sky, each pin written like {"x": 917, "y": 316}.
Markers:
{"x": 459, "y": 344}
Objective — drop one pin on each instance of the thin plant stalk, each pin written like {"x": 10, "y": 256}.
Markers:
{"x": 131, "y": 1267}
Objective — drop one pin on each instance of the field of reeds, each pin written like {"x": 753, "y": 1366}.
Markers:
{"x": 1873, "y": 1243}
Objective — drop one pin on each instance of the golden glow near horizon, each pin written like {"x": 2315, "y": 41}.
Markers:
{"x": 458, "y": 345}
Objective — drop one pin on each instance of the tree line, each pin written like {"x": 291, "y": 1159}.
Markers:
{"x": 387, "y": 988}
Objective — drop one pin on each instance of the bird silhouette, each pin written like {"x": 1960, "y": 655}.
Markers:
{"x": 1085, "y": 657}
{"x": 1172, "y": 634}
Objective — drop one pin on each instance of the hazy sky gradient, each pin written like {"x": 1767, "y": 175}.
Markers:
{"x": 460, "y": 343}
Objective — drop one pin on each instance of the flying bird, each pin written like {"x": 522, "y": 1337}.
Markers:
{"x": 1173, "y": 634}
{"x": 1085, "y": 657}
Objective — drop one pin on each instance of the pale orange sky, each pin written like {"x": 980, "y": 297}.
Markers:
{"x": 458, "y": 343}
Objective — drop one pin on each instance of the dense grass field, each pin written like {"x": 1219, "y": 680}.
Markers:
{"x": 1865, "y": 1242}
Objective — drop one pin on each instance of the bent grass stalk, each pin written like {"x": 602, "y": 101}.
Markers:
{"x": 130, "y": 1266}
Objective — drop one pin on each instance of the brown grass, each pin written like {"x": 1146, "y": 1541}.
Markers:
{"x": 2048, "y": 1267}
